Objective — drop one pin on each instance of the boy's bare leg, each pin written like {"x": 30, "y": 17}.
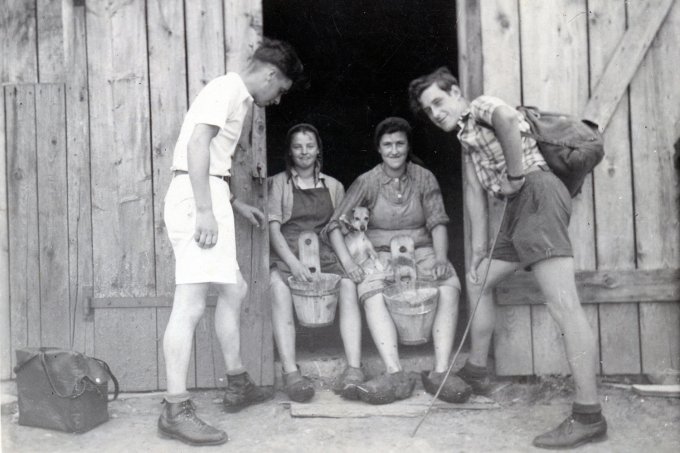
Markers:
{"x": 187, "y": 308}
{"x": 228, "y": 321}
{"x": 484, "y": 319}
{"x": 556, "y": 278}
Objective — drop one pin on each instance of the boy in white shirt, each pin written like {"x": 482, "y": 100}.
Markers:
{"x": 200, "y": 224}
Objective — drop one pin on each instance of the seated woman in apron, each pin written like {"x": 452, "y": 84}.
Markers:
{"x": 404, "y": 199}
{"x": 301, "y": 198}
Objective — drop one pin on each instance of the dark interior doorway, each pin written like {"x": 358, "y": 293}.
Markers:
{"x": 360, "y": 57}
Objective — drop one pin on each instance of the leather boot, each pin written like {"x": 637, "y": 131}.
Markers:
{"x": 241, "y": 391}
{"x": 571, "y": 433}
{"x": 179, "y": 421}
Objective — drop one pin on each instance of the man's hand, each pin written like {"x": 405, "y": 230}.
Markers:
{"x": 300, "y": 272}
{"x": 510, "y": 187}
{"x": 442, "y": 269}
{"x": 206, "y": 230}
{"x": 477, "y": 256}
{"x": 250, "y": 213}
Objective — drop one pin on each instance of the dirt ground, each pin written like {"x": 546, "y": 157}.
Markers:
{"x": 637, "y": 424}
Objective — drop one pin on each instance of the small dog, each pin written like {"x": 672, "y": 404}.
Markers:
{"x": 357, "y": 242}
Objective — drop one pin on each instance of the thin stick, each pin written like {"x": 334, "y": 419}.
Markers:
{"x": 467, "y": 327}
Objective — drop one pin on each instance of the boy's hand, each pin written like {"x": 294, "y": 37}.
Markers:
{"x": 206, "y": 229}
{"x": 250, "y": 213}
{"x": 477, "y": 257}
{"x": 509, "y": 187}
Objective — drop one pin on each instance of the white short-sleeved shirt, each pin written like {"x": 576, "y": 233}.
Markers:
{"x": 224, "y": 102}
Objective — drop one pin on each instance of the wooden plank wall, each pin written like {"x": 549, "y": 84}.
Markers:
{"x": 96, "y": 93}
{"x": 551, "y": 55}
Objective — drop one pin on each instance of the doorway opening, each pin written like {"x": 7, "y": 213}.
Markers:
{"x": 360, "y": 57}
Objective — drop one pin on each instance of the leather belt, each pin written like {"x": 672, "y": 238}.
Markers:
{"x": 227, "y": 179}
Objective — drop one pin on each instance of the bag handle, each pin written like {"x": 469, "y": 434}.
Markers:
{"x": 78, "y": 392}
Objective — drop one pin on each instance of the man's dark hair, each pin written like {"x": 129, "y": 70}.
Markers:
{"x": 283, "y": 56}
{"x": 442, "y": 77}
{"x": 389, "y": 126}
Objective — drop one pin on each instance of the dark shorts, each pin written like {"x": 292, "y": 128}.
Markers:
{"x": 536, "y": 223}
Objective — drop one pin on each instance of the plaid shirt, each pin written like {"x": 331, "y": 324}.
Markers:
{"x": 481, "y": 145}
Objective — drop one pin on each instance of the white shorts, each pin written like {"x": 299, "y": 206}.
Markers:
{"x": 193, "y": 264}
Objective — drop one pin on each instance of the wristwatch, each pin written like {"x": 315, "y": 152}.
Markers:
{"x": 515, "y": 178}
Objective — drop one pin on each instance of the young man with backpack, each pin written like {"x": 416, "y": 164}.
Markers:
{"x": 500, "y": 159}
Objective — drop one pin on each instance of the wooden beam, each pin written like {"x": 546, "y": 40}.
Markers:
{"x": 596, "y": 287}
{"x": 625, "y": 61}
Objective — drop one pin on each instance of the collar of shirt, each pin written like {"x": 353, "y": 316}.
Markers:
{"x": 243, "y": 93}
{"x": 384, "y": 178}
{"x": 463, "y": 121}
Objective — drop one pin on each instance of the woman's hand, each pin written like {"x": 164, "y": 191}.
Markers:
{"x": 250, "y": 213}
{"x": 442, "y": 270}
{"x": 300, "y": 272}
{"x": 205, "y": 233}
{"x": 354, "y": 272}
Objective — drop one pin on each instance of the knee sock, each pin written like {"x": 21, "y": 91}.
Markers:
{"x": 586, "y": 413}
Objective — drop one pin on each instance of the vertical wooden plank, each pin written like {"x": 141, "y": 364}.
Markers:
{"x": 205, "y": 61}
{"x": 24, "y": 263}
{"x": 18, "y": 56}
{"x": 615, "y": 236}
{"x": 122, "y": 217}
{"x": 79, "y": 184}
{"x": 52, "y": 221}
{"x": 654, "y": 112}
{"x": 50, "y": 32}
{"x": 243, "y": 32}
{"x": 555, "y": 77}
{"x": 5, "y": 336}
{"x": 470, "y": 56}
{"x": 167, "y": 81}
{"x": 205, "y": 44}
{"x": 502, "y": 78}
{"x": 125, "y": 339}
{"x": 162, "y": 317}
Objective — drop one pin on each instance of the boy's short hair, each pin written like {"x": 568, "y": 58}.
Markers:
{"x": 390, "y": 126}
{"x": 442, "y": 77}
{"x": 283, "y": 56}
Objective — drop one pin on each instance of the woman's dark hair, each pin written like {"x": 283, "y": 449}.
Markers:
{"x": 389, "y": 126}
{"x": 302, "y": 128}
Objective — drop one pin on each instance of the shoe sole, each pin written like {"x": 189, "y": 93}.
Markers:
{"x": 598, "y": 438}
{"x": 165, "y": 435}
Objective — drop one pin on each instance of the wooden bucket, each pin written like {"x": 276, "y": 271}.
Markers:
{"x": 413, "y": 307}
{"x": 315, "y": 302}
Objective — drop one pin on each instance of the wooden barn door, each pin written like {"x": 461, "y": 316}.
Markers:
{"x": 88, "y": 140}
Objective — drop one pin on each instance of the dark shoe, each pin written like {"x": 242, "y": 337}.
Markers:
{"x": 571, "y": 433}
{"x": 386, "y": 388}
{"x": 179, "y": 421}
{"x": 298, "y": 388}
{"x": 346, "y": 384}
{"x": 481, "y": 385}
{"x": 241, "y": 391}
{"x": 454, "y": 390}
